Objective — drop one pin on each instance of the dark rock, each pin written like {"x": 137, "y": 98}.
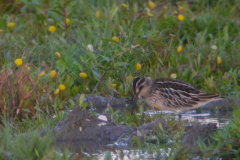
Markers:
{"x": 85, "y": 130}
{"x": 81, "y": 125}
{"x": 198, "y": 131}
{"x": 155, "y": 125}
{"x": 99, "y": 104}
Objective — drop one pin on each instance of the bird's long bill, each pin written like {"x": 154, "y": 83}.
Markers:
{"x": 134, "y": 104}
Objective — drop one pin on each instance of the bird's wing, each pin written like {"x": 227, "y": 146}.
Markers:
{"x": 179, "y": 94}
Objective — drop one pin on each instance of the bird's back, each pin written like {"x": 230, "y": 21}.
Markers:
{"x": 175, "y": 95}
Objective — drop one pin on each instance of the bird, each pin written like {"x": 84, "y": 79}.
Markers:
{"x": 170, "y": 94}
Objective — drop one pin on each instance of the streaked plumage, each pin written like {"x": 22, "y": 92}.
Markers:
{"x": 170, "y": 94}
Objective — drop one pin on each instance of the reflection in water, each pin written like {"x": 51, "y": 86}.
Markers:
{"x": 205, "y": 117}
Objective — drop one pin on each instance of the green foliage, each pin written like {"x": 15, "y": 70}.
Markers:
{"x": 149, "y": 41}
{"x": 29, "y": 145}
{"x": 226, "y": 141}
{"x": 209, "y": 31}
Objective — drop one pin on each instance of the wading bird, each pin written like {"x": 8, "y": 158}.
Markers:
{"x": 170, "y": 94}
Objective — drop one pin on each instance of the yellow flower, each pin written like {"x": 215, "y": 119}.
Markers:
{"x": 179, "y": 49}
{"x": 151, "y": 4}
{"x": 56, "y": 91}
{"x": 67, "y": 20}
{"x": 116, "y": 39}
{"x": 180, "y": 17}
{"x": 58, "y": 54}
{"x": 18, "y": 62}
{"x": 42, "y": 73}
{"x": 173, "y": 75}
{"x": 124, "y": 5}
{"x": 83, "y": 75}
{"x": 1, "y": 30}
{"x": 28, "y": 68}
{"x": 180, "y": 9}
{"x": 138, "y": 66}
{"x": 219, "y": 60}
{"x": 52, "y": 29}
{"x": 52, "y": 73}
{"x": 62, "y": 87}
{"x": 11, "y": 25}
{"x": 114, "y": 84}
{"x": 214, "y": 47}
{"x": 98, "y": 14}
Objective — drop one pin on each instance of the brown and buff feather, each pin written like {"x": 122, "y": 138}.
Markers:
{"x": 171, "y": 94}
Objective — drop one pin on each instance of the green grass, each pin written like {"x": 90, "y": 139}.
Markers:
{"x": 151, "y": 41}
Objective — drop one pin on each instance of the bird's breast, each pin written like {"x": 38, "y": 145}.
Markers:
{"x": 155, "y": 102}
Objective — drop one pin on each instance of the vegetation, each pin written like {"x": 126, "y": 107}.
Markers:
{"x": 53, "y": 50}
{"x": 226, "y": 141}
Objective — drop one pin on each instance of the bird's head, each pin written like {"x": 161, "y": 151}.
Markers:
{"x": 140, "y": 88}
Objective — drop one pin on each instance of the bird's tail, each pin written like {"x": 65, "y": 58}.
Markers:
{"x": 206, "y": 97}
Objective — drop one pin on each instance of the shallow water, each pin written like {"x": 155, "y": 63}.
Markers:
{"x": 205, "y": 117}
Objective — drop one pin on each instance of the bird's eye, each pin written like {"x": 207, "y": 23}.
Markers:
{"x": 140, "y": 88}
